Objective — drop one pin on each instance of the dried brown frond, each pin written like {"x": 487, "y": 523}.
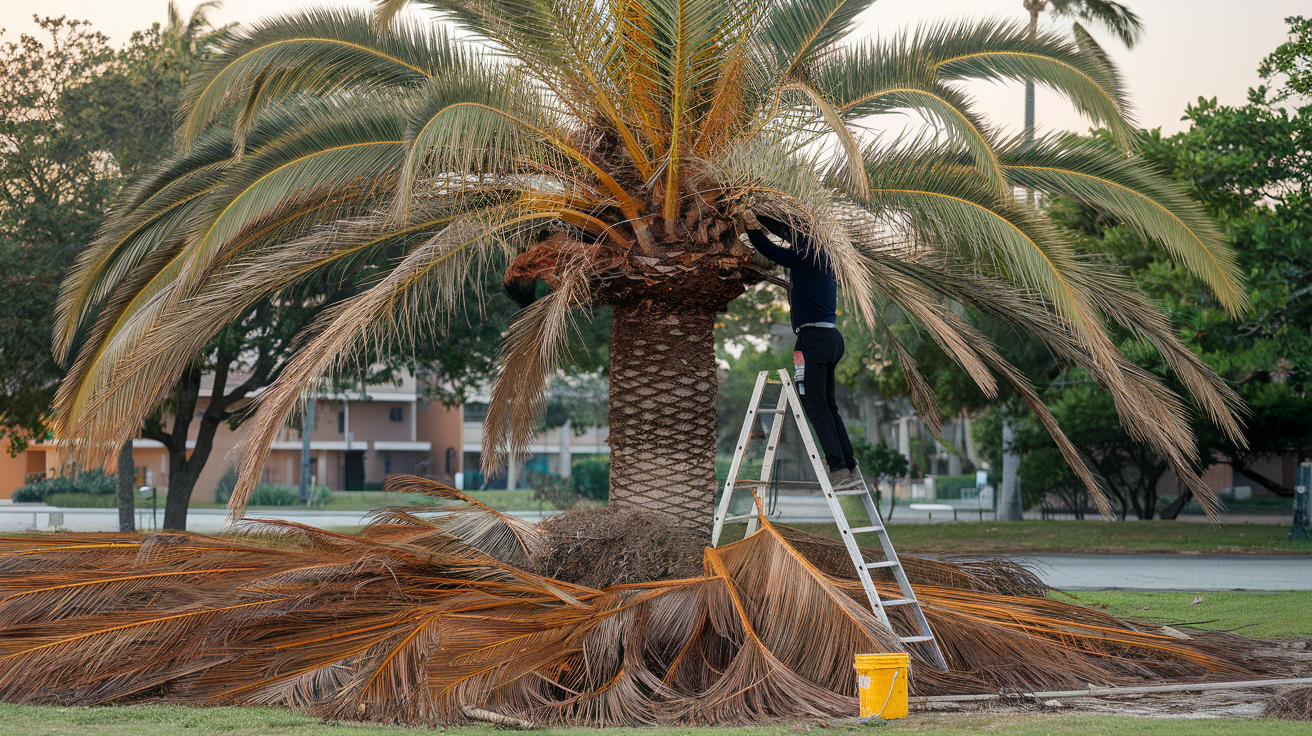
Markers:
{"x": 408, "y": 624}
{"x": 504, "y": 537}
{"x": 529, "y": 357}
{"x": 1293, "y": 705}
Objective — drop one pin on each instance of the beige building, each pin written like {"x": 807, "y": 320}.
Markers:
{"x": 357, "y": 438}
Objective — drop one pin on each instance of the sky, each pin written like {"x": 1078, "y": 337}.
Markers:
{"x": 1190, "y": 48}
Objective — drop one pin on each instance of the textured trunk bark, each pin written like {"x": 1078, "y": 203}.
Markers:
{"x": 125, "y": 489}
{"x": 663, "y": 388}
{"x": 1011, "y": 507}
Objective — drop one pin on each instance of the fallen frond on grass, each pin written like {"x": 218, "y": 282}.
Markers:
{"x": 1292, "y": 705}
{"x": 424, "y": 618}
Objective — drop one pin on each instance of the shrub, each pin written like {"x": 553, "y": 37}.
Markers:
{"x": 267, "y": 494}
{"x": 90, "y": 482}
{"x": 591, "y": 479}
{"x": 227, "y": 482}
{"x": 270, "y": 494}
{"x": 82, "y": 500}
{"x": 553, "y": 489}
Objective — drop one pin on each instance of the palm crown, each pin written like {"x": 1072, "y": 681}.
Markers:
{"x": 603, "y": 148}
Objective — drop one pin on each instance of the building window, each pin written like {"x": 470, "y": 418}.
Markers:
{"x": 450, "y": 460}
{"x": 395, "y": 414}
{"x": 341, "y": 421}
{"x": 475, "y": 411}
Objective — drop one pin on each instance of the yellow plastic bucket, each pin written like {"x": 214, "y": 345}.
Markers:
{"x": 882, "y": 682}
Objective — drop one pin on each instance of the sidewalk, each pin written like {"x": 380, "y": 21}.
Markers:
{"x": 16, "y": 518}
{"x": 1171, "y": 572}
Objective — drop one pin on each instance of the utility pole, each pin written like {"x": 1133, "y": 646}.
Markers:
{"x": 306, "y": 429}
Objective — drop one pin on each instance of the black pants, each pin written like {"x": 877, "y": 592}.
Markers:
{"x": 820, "y": 349}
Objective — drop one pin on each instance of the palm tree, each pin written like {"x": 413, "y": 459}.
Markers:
{"x": 604, "y": 149}
{"x": 1113, "y": 16}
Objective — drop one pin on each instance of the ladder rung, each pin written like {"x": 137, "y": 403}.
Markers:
{"x": 770, "y": 411}
{"x": 914, "y": 639}
{"x": 865, "y": 529}
{"x": 740, "y": 517}
{"x": 877, "y": 565}
{"x": 857, "y": 492}
{"x": 898, "y": 602}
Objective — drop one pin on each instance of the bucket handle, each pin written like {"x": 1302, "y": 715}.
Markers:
{"x": 891, "y": 684}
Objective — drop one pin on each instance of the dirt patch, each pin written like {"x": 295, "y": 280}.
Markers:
{"x": 1294, "y": 705}
{"x": 612, "y": 546}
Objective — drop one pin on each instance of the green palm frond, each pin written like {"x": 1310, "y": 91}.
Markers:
{"x": 317, "y": 52}
{"x": 337, "y": 146}
{"x": 874, "y": 79}
{"x": 953, "y": 203}
{"x": 1001, "y": 51}
{"x": 1089, "y": 172}
{"x": 1113, "y": 16}
{"x": 426, "y": 282}
{"x": 798, "y": 32}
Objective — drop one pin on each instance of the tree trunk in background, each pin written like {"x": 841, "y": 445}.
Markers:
{"x": 1034, "y": 9}
{"x": 125, "y": 489}
{"x": 1010, "y": 505}
{"x": 663, "y": 390}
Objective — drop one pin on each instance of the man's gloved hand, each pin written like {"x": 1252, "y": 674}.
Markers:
{"x": 744, "y": 218}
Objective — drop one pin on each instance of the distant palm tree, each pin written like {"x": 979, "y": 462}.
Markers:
{"x": 604, "y": 148}
{"x": 1113, "y": 16}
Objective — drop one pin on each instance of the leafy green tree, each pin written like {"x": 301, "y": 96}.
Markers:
{"x": 608, "y": 155}
{"x": 1291, "y": 58}
{"x": 54, "y": 190}
{"x": 1113, "y": 16}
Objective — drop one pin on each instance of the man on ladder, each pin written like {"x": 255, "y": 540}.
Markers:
{"x": 813, "y": 308}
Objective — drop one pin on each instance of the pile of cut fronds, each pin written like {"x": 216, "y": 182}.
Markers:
{"x": 429, "y": 619}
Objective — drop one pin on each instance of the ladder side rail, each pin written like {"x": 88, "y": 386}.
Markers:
{"x": 840, "y": 518}
{"x": 743, "y": 437}
{"x": 900, "y": 574}
{"x": 771, "y": 452}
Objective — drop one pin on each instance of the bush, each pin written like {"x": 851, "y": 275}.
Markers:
{"x": 91, "y": 483}
{"x": 82, "y": 500}
{"x": 591, "y": 479}
{"x": 269, "y": 494}
{"x": 553, "y": 489}
{"x": 227, "y": 482}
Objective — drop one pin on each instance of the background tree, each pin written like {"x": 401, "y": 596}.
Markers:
{"x": 607, "y": 156}
{"x": 54, "y": 186}
{"x": 1112, "y": 16}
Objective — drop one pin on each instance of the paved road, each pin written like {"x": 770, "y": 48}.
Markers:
{"x": 1174, "y": 572}
{"x": 1064, "y": 571}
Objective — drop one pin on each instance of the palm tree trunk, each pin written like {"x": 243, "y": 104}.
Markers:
{"x": 663, "y": 390}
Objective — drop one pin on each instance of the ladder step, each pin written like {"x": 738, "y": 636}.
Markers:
{"x": 898, "y": 602}
{"x": 740, "y": 517}
{"x": 877, "y": 565}
{"x": 865, "y": 529}
{"x": 914, "y": 639}
{"x": 771, "y": 411}
{"x": 857, "y": 492}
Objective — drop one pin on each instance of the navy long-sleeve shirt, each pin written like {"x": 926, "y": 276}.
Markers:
{"x": 812, "y": 289}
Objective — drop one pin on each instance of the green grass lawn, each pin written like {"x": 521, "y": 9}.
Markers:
{"x": 172, "y": 720}
{"x": 1262, "y": 615}
{"x": 1012, "y": 537}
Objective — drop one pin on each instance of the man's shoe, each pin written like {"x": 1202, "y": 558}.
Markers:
{"x": 843, "y": 479}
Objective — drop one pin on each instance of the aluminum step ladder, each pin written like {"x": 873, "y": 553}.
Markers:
{"x": 789, "y": 402}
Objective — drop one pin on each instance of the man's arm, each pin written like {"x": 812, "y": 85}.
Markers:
{"x": 761, "y": 242}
